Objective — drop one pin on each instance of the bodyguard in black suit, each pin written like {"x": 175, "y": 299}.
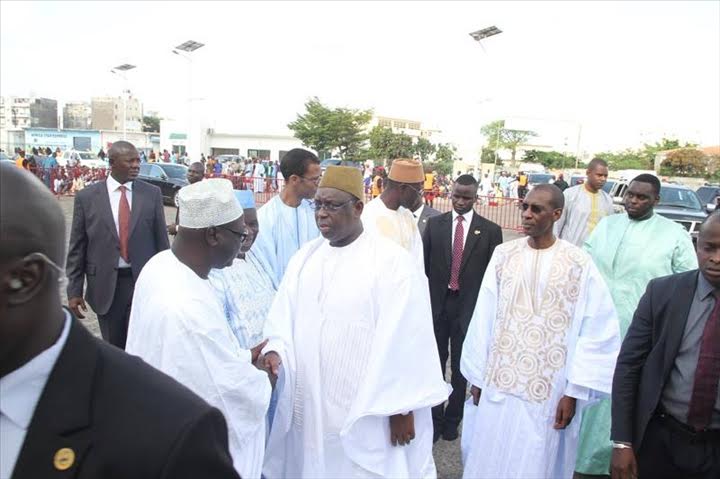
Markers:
{"x": 423, "y": 213}
{"x": 665, "y": 396}
{"x": 458, "y": 246}
{"x": 118, "y": 225}
{"x": 73, "y": 406}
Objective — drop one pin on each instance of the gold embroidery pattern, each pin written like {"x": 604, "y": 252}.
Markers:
{"x": 529, "y": 344}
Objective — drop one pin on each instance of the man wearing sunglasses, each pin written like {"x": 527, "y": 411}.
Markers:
{"x": 350, "y": 334}
{"x": 288, "y": 220}
{"x": 180, "y": 327}
{"x": 71, "y": 404}
{"x": 390, "y": 214}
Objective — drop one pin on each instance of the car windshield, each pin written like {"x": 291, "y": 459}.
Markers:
{"x": 175, "y": 171}
{"x": 539, "y": 178}
{"x": 330, "y": 162}
{"x": 707, "y": 194}
{"x": 679, "y": 197}
{"x": 608, "y": 186}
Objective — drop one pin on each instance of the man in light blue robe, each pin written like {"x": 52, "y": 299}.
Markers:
{"x": 288, "y": 219}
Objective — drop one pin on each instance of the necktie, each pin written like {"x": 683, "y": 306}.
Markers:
{"x": 457, "y": 252}
{"x": 124, "y": 223}
{"x": 707, "y": 372}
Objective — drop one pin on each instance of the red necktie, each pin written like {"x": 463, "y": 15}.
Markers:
{"x": 457, "y": 253}
{"x": 124, "y": 223}
{"x": 707, "y": 372}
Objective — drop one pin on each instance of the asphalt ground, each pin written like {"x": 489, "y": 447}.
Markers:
{"x": 447, "y": 454}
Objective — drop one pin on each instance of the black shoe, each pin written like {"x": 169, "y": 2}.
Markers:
{"x": 437, "y": 434}
{"x": 450, "y": 433}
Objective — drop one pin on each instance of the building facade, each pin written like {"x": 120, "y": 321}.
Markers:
{"x": 109, "y": 113}
{"x": 412, "y": 128}
{"x": 28, "y": 112}
{"x": 77, "y": 115}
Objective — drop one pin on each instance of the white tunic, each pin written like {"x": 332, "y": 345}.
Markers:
{"x": 399, "y": 226}
{"x": 178, "y": 326}
{"x": 544, "y": 326}
{"x": 583, "y": 211}
{"x": 354, "y": 331}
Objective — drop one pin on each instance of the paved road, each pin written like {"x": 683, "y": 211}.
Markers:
{"x": 447, "y": 454}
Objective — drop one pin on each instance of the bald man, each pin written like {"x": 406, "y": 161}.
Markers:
{"x": 71, "y": 404}
{"x": 118, "y": 225}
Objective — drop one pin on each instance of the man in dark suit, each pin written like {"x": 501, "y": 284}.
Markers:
{"x": 457, "y": 246}
{"x": 118, "y": 225}
{"x": 665, "y": 396}
{"x": 422, "y": 213}
{"x": 73, "y": 406}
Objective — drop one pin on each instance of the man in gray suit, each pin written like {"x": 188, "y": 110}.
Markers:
{"x": 422, "y": 213}
{"x": 118, "y": 225}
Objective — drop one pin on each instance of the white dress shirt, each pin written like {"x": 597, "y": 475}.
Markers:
{"x": 466, "y": 225}
{"x": 20, "y": 392}
{"x": 114, "y": 194}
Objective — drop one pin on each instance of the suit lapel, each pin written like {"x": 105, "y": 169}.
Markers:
{"x": 136, "y": 209}
{"x": 446, "y": 236}
{"x": 473, "y": 236}
{"x": 106, "y": 210}
{"x": 677, "y": 316}
{"x": 62, "y": 416}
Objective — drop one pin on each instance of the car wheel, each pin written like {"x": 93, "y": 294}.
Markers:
{"x": 175, "y": 199}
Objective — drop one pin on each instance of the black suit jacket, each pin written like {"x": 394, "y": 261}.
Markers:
{"x": 122, "y": 419}
{"x": 482, "y": 238}
{"x": 95, "y": 246}
{"x": 648, "y": 353}
{"x": 427, "y": 213}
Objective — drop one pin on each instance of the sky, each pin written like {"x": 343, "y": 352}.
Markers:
{"x": 587, "y": 76}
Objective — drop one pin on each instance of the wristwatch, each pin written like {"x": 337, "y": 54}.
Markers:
{"x": 621, "y": 445}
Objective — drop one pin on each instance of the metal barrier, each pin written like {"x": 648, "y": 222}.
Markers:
{"x": 502, "y": 211}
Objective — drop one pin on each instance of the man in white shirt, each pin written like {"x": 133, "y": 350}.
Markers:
{"x": 70, "y": 404}
{"x": 118, "y": 225}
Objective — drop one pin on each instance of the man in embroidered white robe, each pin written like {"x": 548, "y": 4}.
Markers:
{"x": 541, "y": 346}
{"x": 351, "y": 337}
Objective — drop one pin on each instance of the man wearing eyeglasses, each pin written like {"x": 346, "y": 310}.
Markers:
{"x": 288, "y": 220}
{"x": 180, "y": 327}
{"x": 350, "y": 335}
{"x": 389, "y": 215}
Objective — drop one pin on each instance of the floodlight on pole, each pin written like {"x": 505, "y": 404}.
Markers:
{"x": 120, "y": 70}
{"x": 478, "y": 36}
{"x": 184, "y": 50}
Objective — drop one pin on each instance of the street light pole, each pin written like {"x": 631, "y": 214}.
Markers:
{"x": 121, "y": 70}
{"x": 478, "y": 36}
{"x": 187, "y": 48}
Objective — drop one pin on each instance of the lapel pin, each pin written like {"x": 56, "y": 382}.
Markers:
{"x": 64, "y": 459}
{"x": 477, "y": 232}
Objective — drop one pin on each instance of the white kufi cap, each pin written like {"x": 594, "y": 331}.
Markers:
{"x": 208, "y": 203}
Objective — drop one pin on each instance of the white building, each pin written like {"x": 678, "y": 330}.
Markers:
{"x": 412, "y": 128}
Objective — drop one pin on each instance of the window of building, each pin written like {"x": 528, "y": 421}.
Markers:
{"x": 414, "y": 125}
{"x": 259, "y": 154}
{"x": 281, "y": 154}
{"x": 399, "y": 124}
{"x": 385, "y": 123}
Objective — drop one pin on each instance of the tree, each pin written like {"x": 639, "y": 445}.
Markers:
{"x": 386, "y": 145}
{"x": 626, "y": 160}
{"x": 500, "y": 137}
{"x": 550, "y": 159}
{"x": 650, "y": 151}
{"x": 151, "y": 124}
{"x": 445, "y": 158}
{"x": 423, "y": 148}
{"x": 686, "y": 162}
{"x": 324, "y": 129}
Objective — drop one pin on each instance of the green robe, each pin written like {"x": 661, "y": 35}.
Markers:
{"x": 628, "y": 254}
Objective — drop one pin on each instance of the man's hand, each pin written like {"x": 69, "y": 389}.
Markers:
{"x": 475, "y": 393}
{"x": 402, "y": 429}
{"x": 172, "y": 230}
{"x": 565, "y": 412}
{"x": 273, "y": 362}
{"x": 623, "y": 464}
{"x": 255, "y": 352}
{"x": 75, "y": 304}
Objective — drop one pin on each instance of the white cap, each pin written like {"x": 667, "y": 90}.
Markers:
{"x": 208, "y": 203}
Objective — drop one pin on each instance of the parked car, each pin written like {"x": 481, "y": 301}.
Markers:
{"x": 677, "y": 202}
{"x": 4, "y": 157}
{"x": 608, "y": 186}
{"x": 81, "y": 158}
{"x": 707, "y": 195}
{"x": 539, "y": 179}
{"x": 577, "y": 180}
{"x": 169, "y": 177}
{"x": 338, "y": 162}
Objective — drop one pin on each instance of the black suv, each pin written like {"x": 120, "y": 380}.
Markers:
{"x": 682, "y": 205}
{"x": 169, "y": 177}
